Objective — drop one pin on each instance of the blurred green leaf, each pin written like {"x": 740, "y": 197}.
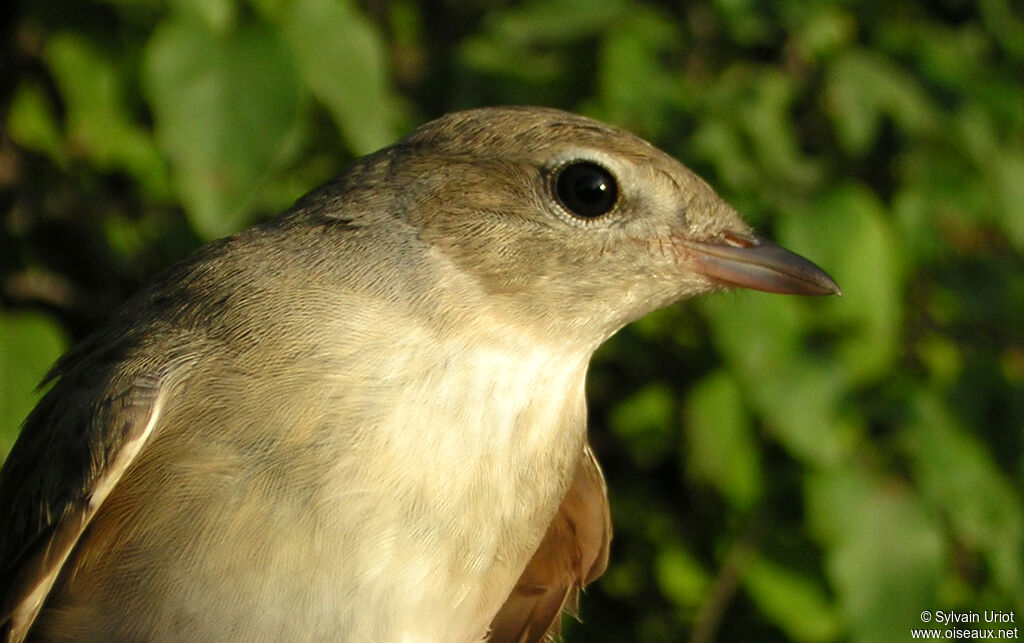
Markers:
{"x": 681, "y": 577}
{"x": 764, "y": 114}
{"x": 951, "y": 56}
{"x": 553, "y": 21}
{"x": 522, "y": 51}
{"x": 760, "y": 336}
{"x": 1008, "y": 178}
{"x": 32, "y": 124}
{"x": 824, "y": 29}
{"x": 29, "y": 344}
{"x": 963, "y": 482}
{"x": 721, "y": 447}
{"x": 644, "y": 422}
{"x": 343, "y": 61}
{"x": 226, "y": 107}
{"x": 885, "y": 552}
{"x": 746, "y": 132}
{"x": 862, "y": 88}
{"x": 1006, "y": 23}
{"x": 847, "y": 232}
{"x": 218, "y": 16}
{"x": 719, "y": 143}
{"x": 631, "y": 54}
{"x": 793, "y": 601}
{"x": 99, "y": 123}
{"x": 942, "y": 359}
{"x": 745, "y": 20}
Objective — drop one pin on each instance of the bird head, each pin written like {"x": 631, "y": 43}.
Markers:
{"x": 572, "y": 223}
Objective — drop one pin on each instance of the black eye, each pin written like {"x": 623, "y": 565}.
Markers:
{"x": 586, "y": 189}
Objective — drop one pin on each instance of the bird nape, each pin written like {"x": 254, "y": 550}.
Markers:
{"x": 364, "y": 420}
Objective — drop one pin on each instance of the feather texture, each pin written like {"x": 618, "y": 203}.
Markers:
{"x": 573, "y": 553}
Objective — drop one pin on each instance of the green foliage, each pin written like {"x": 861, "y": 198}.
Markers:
{"x": 780, "y": 468}
{"x": 795, "y": 602}
{"x": 225, "y": 109}
{"x": 721, "y": 447}
{"x": 884, "y": 552}
{"x": 29, "y": 344}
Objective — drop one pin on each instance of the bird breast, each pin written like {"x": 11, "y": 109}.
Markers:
{"x": 462, "y": 469}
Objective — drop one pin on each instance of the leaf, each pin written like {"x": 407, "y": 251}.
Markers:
{"x": 824, "y": 30}
{"x": 523, "y": 54}
{"x": 718, "y": 142}
{"x": 32, "y": 124}
{"x": 225, "y": 107}
{"x": 793, "y": 601}
{"x": 953, "y": 57}
{"x": 218, "y": 16}
{"x": 961, "y": 479}
{"x": 885, "y": 554}
{"x": 343, "y": 61}
{"x": 99, "y": 124}
{"x": 721, "y": 447}
{"x": 681, "y": 578}
{"x": 862, "y": 87}
{"x": 1007, "y": 171}
{"x": 747, "y": 131}
{"x": 553, "y": 21}
{"x": 760, "y": 336}
{"x": 631, "y": 54}
{"x": 29, "y": 344}
{"x": 766, "y": 118}
{"x": 847, "y": 232}
{"x": 644, "y": 422}
{"x": 745, "y": 20}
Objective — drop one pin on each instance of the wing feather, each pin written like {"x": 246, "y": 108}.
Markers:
{"x": 573, "y": 553}
{"x": 52, "y": 521}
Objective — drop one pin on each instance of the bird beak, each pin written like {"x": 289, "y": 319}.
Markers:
{"x": 749, "y": 261}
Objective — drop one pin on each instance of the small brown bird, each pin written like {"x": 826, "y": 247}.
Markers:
{"x": 364, "y": 420}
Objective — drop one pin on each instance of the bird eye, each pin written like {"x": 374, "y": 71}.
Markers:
{"x": 586, "y": 189}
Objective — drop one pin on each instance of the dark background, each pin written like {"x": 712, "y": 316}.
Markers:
{"x": 781, "y": 469}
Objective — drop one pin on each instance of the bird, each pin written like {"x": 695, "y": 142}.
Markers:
{"x": 364, "y": 419}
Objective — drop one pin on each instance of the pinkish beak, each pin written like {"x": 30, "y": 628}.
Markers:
{"x": 754, "y": 262}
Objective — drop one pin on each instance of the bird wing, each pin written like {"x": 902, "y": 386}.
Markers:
{"x": 573, "y": 553}
{"x": 66, "y": 463}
